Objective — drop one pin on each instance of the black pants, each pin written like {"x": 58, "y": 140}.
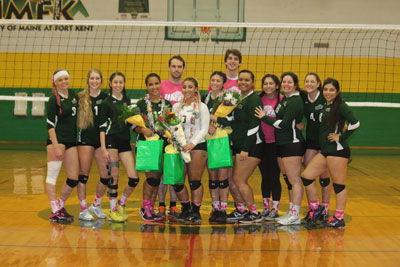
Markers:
{"x": 270, "y": 173}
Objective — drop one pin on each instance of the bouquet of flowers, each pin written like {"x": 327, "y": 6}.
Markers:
{"x": 175, "y": 131}
{"x": 227, "y": 103}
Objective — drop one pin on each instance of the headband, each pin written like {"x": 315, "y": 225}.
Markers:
{"x": 59, "y": 74}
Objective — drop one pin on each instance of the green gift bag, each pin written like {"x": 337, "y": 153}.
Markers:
{"x": 219, "y": 153}
{"x": 149, "y": 155}
{"x": 174, "y": 167}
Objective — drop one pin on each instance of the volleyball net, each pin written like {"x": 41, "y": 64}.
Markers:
{"x": 364, "y": 58}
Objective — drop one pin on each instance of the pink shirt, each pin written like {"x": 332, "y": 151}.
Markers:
{"x": 171, "y": 92}
{"x": 269, "y": 104}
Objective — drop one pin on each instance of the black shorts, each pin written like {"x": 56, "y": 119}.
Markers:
{"x": 96, "y": 146}
{"x": 256, "y": 151}
{"x": 312, "y": 144}
{"x": 344, "y": 153}
{"x": 201, "y": 146}
{"x": 291, "y": 150}
{"x": 113, "y": 141}
{"x": 66, "y": 144}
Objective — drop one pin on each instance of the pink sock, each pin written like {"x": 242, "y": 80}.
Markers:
{"x": 61, "y": 203}
{"x": 97, "y": 200}
{"x": 240, "y": 207}
{"x": 313, "y": 204}
{"x": 267, "y": 203}
{"x": 152, "y": 203}
{"x": 253, "y": 209}
{"x": 83, "y": 204}
{"x": 339, "y": 214}
{"x": 54, "y": 206}
{"x": 215, "y": 205}
{"x": 326, "y": 205}
{"x": 113, "y": 204}
{"x": 146, "y": 203}
{"x": 275, "y": 205}
{"x": 295, "y": 210}
{"x": 123, "y": 200}
{"x": 223, "y": 206}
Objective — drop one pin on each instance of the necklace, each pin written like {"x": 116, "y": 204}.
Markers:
{"x": 153, "y": 115}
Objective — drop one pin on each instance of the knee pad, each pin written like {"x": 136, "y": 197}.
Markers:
{"x": 223, "y": 184}
{"x": 72, "y": 183}
{"x": 289, "y": 185}
{"x": 112, "y": 186}
{"x": 324, "y": 182}
{"x": 194, "y": 185}
{"x": 153, "y": 181}
{"x": 105, "y": 181}
{"x": 338, "y": 188}
{"x": 112, "y": 195}
{"x": 133, "y": 182}
{"x": 53, "y": 169}
{"x": 83, "y": 179}
{"x": 212, "y": 184}
{"x": 178, "y": 187}
{"x": 306, "y": 182}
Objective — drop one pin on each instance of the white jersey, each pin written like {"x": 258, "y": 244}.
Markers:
{"x": 195, "y": 121}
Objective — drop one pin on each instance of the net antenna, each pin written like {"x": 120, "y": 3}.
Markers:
{"x": 204, "y": 33}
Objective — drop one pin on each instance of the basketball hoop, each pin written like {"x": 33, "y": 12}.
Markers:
{"x": 204, "y": 33}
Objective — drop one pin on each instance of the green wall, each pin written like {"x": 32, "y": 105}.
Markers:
{"x": 380, "y": 127}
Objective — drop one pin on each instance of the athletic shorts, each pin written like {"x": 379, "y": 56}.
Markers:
{"x": 312, "y": 144}
{"x": 113, "y": 141}
{"x": 66, "y": 144}
{"x": 256, "y": 151}
{"x": 96, "y": 146}
{"x": 291, "y": 150}
{"x": 344, "y": 153}
{"x": 201, "y": 146}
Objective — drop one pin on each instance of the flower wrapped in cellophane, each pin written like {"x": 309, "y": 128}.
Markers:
{"x": 227, "y": 103}
{"x": 131, "y": 114}
{"x": 175, "y": 131}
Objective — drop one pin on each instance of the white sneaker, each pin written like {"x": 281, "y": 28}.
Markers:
{"x": 290, "y": 220}
{"x": 85, "y": 215}
{"x": 283, "y": 217}
{"x": 97, "y": 211}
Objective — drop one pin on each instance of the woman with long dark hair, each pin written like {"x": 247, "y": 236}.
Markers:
{"x": 335, "y": 152}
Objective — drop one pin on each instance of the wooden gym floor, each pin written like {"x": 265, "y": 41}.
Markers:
{"x": 27, "y": 238}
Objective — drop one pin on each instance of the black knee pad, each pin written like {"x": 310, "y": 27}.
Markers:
{"x": 83, "y": 178}
{"x": 153, "y": 181}
{"x": 113, "y": 195}
{"x": 306, "y": 182}
{"x": 133, "y": 182}
{"x": 113, "y": 186}
{"x": 289, "y": 185}
{"x": 194, "y": 185}
{"x": 178, "y": 187}
{"x": 213, "y": 184}
{"x": 324, "y": 182}
{"x": 72, "y": 183}
{"x": 105, "y": 181}
{"x": 223, "y": 184}
{"x": 338, "y": 188}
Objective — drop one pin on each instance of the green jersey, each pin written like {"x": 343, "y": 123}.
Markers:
{"x": 109, "y": 118}
{"x": 91, "y": 135}
{"x": 311, "y": 112}
{"x": 64, "y": 123}
{"x": 152, "y": 114}
{"x": 345, "y": 115}
{"x": 288, "y": 112}
{"x": 246, "y": 127}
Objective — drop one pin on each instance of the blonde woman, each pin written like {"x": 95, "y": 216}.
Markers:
{"x": 90, "y": 100}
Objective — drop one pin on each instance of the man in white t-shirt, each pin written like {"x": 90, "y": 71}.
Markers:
{"x": 171, "y": 90}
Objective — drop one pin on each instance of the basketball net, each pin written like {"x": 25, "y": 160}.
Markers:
{"x": 204, "y": 33}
